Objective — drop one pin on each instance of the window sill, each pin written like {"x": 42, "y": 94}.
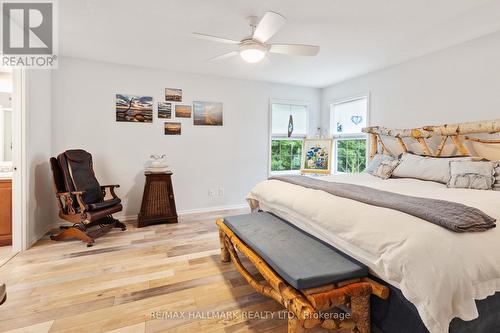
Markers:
{"x": 283, "y": 173}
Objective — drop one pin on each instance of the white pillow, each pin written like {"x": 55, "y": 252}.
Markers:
{"x": 435, "y": 169}
{"x": 496, "y": 184}
{"x": 471, "y": 174}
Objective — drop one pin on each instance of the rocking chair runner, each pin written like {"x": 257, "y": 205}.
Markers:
{"x": 80, "y": 198}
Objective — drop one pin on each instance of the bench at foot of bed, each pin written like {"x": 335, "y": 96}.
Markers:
{"x": 318, "y": 285}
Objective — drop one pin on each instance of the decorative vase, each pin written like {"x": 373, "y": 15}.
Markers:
{"x": 157, "y": 163}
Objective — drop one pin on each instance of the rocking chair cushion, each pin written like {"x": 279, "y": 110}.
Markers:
{"x": 79, "y": 174}
{"x": 104, "y": 204}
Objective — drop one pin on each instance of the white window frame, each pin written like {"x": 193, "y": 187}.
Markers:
{"x": 3, "y": 112}
{"x": 284, "y": 136}
{"x": 347, "y": 136}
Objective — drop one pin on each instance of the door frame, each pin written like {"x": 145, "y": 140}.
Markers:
{"x": 19, "y": 162}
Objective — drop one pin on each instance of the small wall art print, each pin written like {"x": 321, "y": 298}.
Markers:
{"x": 164, "y": 110}
{"x": 183, "y": 111}
{"x": 172, "y": 128}
{"x": 173, "y": 95}
{"x": 207, "y": 113}
{"x": 132, "y": 108}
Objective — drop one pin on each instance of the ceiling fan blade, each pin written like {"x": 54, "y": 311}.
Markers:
{"x": 224, "y": 56}
{"x": 214, "y": 38}
{"x": 268, "y": 26}
{"x": 294, "y": 49}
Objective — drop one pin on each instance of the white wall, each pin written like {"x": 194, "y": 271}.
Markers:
{"x": 40, "y": 198}
{"x": 458, "y": 84}
{"x": 234, "y": 156}
{"x": 454, "y": 85}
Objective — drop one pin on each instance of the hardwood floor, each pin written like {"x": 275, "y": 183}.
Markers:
{"x": 5, "y": 254}
{"x": 134, "y": 281}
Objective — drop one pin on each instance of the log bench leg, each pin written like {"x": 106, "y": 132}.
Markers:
{"x": 360, "y": 311}
{"x": 224, "y": 252}
{"x": 294, "y": 326}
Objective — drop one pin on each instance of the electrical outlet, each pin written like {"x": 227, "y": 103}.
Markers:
{"x": 212, "y": 193}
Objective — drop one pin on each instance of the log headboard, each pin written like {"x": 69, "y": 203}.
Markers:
{"x": 455, "y": 136}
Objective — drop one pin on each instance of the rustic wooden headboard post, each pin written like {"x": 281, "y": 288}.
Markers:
{"x": 456, "y": 132}
{"x": 373, "y": 145}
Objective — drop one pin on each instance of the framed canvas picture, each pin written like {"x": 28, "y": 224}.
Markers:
{"x": 130, "y": 108}
{"x": 172, "y": 128}
{"x": 183, "y": 111}
{"x": 207, "y": 113}
{"x": 316, "y": 156}
{"x": 173, "y": 95}
{"x": 164, "y": 110}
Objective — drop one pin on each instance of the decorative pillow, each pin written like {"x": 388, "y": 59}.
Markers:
{"x": 435, "y": 169}
{"x": 471, "y": 174}
{"x": 375, "y": 162}
{"x": 496, "y": 184}
{"x": 386, "y": 168}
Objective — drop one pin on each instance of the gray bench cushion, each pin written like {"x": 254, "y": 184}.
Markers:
{"x": 300, "y": 259}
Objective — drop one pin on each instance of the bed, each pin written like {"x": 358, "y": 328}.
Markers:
{"x": 441, "y": 281}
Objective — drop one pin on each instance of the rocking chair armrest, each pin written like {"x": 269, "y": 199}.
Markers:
{"x": 65, "y": 194}
{"x": 113, "y": 185}
{"x": 66, "y": 197}
{"x": 111, "y": 189}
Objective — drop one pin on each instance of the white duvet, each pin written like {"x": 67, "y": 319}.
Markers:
{"x": 441, "y": 272}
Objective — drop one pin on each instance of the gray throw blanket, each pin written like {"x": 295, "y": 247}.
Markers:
{"x": 450, "y": 215}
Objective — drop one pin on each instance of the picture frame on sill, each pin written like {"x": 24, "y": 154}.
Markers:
{"x": 316, "y": 156}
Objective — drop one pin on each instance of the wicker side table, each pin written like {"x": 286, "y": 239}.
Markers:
{"x": 158, "y": 203}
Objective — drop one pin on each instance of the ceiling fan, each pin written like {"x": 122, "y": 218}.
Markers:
{"x": 254, "y": 47}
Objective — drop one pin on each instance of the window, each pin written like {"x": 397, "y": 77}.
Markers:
{"x": 351, "y": 155}
{"x": 286, "y": 152}
{"x": 5, "y": 120}
{"x": 347, "y": 118}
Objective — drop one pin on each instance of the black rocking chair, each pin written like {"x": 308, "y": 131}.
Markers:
{"x": 81, "y": 200}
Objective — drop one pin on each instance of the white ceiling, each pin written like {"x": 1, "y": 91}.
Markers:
{"x": 355, "y": 36}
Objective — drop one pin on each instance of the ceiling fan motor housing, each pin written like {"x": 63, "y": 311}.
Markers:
{"x": 250, "y": 43}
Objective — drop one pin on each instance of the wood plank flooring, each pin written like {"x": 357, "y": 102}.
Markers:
{"x": 5, "y": 254}
{"x": 163, "y": 278}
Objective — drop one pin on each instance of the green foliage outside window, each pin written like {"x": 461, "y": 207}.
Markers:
{"x": 286, "y": 154}
{"x": 351, "y": 155}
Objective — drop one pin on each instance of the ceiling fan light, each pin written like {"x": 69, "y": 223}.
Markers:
{"x": 252, "y": 53}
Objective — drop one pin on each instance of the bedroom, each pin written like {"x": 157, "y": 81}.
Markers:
{"x": 192, "y": 139}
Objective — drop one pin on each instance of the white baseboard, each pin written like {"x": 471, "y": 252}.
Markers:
{"x": 40, "y": 235}
{"x": 125, "y": 218}
{"x": 212, "y": 209}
